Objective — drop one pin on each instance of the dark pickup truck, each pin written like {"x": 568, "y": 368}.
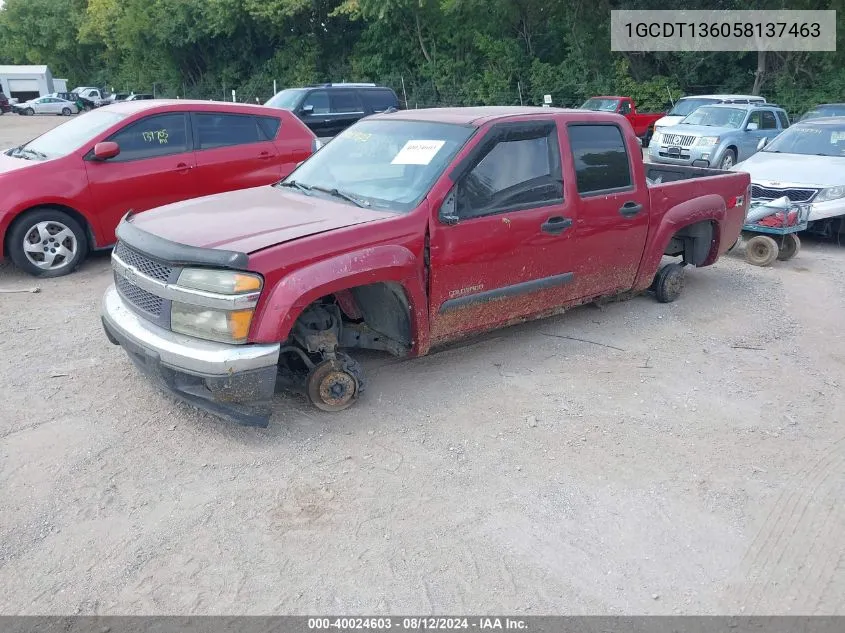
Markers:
{"x": 409, "y": 230}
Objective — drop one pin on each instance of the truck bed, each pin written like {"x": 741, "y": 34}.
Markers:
{"x": 672, "y": 173}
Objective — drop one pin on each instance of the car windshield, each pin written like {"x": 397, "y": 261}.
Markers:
{"x": 601, "y": 105}
{"x": 810, "y": 140}
{"x": 711, "y": 116}
{"x": 688, "y": 106}
{"x": 382, "y": 164}
{"x": 70, "y": 136}
{"x": 286, "y": 99}
{"x": 824, "y": 111}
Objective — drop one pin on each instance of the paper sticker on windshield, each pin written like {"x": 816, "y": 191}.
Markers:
{"x": 417, "y": 153}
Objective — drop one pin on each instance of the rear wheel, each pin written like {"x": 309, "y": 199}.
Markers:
{"x": 761, "y": 250}
{"x": 47, "y": 243}
{"x": 647, "y": 138}
{"x": 790, "y": 247}
{"x": 728, "y": 160}
{"x": 668, "y": 283}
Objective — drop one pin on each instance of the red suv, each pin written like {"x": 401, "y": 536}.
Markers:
{"x": 64, "y": 193}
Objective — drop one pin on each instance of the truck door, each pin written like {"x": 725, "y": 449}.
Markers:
{"x": 613, "y": 211}
{"x": 501, "y": 248}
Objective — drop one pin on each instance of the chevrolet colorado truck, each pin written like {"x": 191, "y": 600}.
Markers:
{"x": 408, "y": 231}
{"x": 642, "y": 122}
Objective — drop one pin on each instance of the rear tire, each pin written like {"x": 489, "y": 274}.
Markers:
{"x": 669, "y": 283}
{"x": 47, "y": 243}
{"x": 761, "y": 250}
{"x": 790, "y": 247}
{"x": 647, "y": 138}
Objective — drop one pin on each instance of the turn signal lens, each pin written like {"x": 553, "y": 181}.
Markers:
{"x": 210, "y": 324}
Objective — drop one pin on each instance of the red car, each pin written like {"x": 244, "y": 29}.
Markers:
{"x": 63, "y": 194}
{"x": 407, "y": 231}
{"x": 642, "y": 122}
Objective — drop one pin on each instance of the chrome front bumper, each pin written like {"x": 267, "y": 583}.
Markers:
{"x": 235, "y": 382}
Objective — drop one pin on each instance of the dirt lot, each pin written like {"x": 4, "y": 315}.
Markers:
{"x": 689, "y": 459}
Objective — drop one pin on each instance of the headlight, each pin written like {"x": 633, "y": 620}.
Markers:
{"x": 225, "y": 282}
{"x": 831, "y": 193}
{"x": 707, "y": 141}
{"x": 219, "y": 323}
{"x": 657, "y": 138}
{"x": 206, "y": 323}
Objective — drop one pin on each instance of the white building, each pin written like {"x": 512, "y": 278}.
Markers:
{"x": 26, "y": 82}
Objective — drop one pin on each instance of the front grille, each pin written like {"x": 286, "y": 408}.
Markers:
{"x": 138, "y": 297}
{"x": 680, "y": 155}
{"x": 677, "y": 140}
{"x": 145, "y": 265}
{"x": 794, "y": 195}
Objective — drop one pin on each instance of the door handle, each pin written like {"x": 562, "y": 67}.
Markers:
{"x": 183, "y": 167}
{"x": 265, "y": 156}
{"x": 630, "y": 209}
{"x": 556, "y": 225}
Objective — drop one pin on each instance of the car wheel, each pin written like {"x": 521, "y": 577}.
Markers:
{"x": 66, "y": 111}
{"x": 668, "y": 283}
{"x": 47, "y": 243}
{"x": 29, "y": 112}
{"x": 728, "y": 160}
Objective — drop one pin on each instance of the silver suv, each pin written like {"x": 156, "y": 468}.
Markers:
{"x": 718, "y": 135}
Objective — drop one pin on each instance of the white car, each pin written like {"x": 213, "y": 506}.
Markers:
{"x": 806, "y": 163}
{"x": 47, "y": 105}
{"x": 687, "y": 105}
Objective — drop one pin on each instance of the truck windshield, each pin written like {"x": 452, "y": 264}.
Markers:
{"x": 810, "y": 140}
{"x": 286, "y": 99}
{"x": 687, "y": 106}
{"x": 383, "y": 164}
{"x": 716, "y": 117}
{"x": 70, "y": 136}
{"x": 601, "y": 105}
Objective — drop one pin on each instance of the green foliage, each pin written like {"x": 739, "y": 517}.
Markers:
{"x": 438, "y": 52}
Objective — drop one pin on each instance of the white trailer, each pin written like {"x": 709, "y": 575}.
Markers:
{"x": 26, "y": 82}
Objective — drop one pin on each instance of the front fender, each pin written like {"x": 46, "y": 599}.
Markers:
{"x": 705, "y": 208}
{"x": 278, "y": 311}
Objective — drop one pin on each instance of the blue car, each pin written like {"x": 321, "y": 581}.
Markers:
{"x": 718, "y": 135}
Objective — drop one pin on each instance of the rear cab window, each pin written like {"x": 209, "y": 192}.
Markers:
{"x": 601, "y": 158}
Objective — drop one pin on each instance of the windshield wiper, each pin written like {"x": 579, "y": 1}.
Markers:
{"x": 23, "y": 152}
{"x": 340, "y": 194}
{"x": 297, "y": 185}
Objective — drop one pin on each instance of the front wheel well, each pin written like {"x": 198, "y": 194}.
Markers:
{"x": 692, "y": 242}
{"x": 76, "y": 215}
{"x": 373, "y": 316}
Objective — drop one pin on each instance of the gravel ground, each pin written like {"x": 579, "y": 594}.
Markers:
{"x": 682, "y": 458}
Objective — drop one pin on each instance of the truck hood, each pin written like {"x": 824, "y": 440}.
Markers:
{"x": 249, "y": 220}
{"x": 784, "y": 170}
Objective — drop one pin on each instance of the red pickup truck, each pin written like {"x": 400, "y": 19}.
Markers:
{"x": 642, "y": 122}
{"x": 405, "y": 232}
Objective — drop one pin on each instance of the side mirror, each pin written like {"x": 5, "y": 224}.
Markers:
{"x": 309, "y": 109}
{"x": 762, "y": 143}
{"x": 106, "y": 150}
{"x": 448, "y": 213}
{"x": 751, "y": 127}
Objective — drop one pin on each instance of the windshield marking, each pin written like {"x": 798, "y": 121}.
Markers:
{"x": 417, "y": 152}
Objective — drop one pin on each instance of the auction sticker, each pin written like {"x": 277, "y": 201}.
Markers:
{"x": 417, "y": 152}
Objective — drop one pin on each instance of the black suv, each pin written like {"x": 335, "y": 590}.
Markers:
{"x": 328, "y": 109}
